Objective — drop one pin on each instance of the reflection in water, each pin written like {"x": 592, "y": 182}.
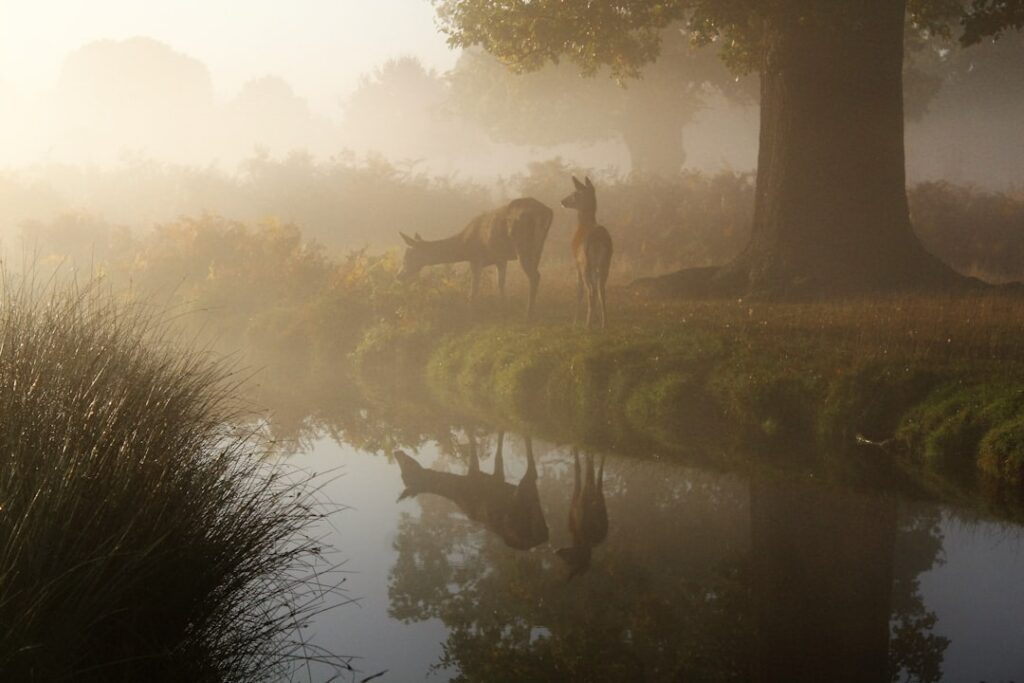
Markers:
{"x": 705, "y": 578}
{"x": 822, "y": 579}
{"x": 588, "y": 516}
{"x": 511, "y": 512}
{"x": 832, "y": 601}
{"x": 667, "y": 601}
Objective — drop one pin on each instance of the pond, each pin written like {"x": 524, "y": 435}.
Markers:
{"x": 622, "y": 567}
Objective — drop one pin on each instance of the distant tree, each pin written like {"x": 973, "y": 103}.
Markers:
{"x": 135, "y": 94}
{"x": 557, "y": 105}
{"x": 268, "y": 114}
{"x": 400, "y": 111}
{"x": 831, "y": 213}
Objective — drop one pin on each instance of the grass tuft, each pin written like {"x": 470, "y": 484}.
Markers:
{"x": 141, "y": 536}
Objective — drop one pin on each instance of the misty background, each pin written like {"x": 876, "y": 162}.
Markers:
{"x": 115, "y": 118}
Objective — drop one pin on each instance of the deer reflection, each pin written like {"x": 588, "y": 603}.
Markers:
{"x": 588, "y": 517}
{"x": 512, "y": 512}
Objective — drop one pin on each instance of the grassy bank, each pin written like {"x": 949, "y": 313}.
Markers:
{"x": 934, "y": 379}
{"x": 934, "y": 383}
{"x": 141, "y": 537}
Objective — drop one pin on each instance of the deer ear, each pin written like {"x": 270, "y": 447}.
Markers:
{"x": 408, "y": 240}
{"x": 590, "y": 185}
{"x": 418, "y": 238}
{"x": 578, "y": 184}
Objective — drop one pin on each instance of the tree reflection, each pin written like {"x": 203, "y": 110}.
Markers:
{"x": 822, "y": 581}
{"x": 702, "y": 578}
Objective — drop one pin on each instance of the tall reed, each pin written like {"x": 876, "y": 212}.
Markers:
{"x": 142, "y": 536}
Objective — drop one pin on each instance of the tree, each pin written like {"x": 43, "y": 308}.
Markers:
{"x": 131, "y": 95}
{"x": 399, "y": 111}
{"x": 831, "y": 210}
{"x": 267, "y": 114}
{"x": 701, "y": 578}
{"x": 557, "y": 105}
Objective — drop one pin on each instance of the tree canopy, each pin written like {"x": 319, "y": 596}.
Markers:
{"x": 627, "y": 34}
{"x": 831, "y": 212}
{"x": 555, "y": 105}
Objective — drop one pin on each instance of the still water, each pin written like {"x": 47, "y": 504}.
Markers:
{"x": 634, "y": 569}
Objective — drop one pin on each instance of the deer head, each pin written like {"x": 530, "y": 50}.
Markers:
{"x": 415, "y": 257}
{"x": 584, "y": 198}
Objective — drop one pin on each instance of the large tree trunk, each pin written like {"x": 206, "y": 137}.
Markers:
{"x": 831, "y": 209}
{"x": 652, "y": 123}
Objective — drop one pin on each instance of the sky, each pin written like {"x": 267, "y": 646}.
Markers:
{"x": 321, "y": 47}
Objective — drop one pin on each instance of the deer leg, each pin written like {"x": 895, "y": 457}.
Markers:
{"x": 529, "y": 263}
{"x": 531, "y": 465}
{"x": 589, "y": 484}
{"x": 502, "y": 269}
{"x": 474, "y": 460}
{"x": 600, "y": 296}
{"x": 600, "y": 474}
{"x": 579, "y": 297}
{"x": 576, "y": 473}
{"x": 591, "y": 301}
{"x": 474, "y": 287}
{"x": 499, "y": 459}
{"x": 534, "y": 276}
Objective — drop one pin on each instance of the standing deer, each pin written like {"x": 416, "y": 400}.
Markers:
{"x": 591, "y": 249}
{"x": 511, "y": 512}
{"x": 588, "y": 517}
{"x": 514, "y": 231}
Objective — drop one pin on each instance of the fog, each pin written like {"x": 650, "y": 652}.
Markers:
{"x": 721, "y": 422}
{"x": 109, "y": 104}
{"x": 142, "y": 97}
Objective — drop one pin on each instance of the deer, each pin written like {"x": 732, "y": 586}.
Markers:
{"x": 588, "y": 516}
{"x": 512, "y": 512}
{"x": 591, "y": 249}
{"x": 514, "y": 231}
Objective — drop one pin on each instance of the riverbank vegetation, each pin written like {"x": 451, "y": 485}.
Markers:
{"x": 102, "y": 217}
{"x": 935, "y": 382}
{"x": 933, "y": 377}
{"x": 142, "y": 535}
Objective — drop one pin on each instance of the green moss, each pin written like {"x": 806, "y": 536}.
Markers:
{"x": 671, "y": 408}
{"x": 872, "y": 399}
{"x": 1001, "y": 453}
{"x": 949, "y": 426}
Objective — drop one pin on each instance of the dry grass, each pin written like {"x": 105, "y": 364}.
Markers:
{"x": 975, "y": 327}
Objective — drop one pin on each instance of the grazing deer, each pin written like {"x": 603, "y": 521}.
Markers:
{"x": 511, "y": 512}
{"x": 514, "y": 231}
{"x": 588, "y": 517}
{"x": 592, "y": 250}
